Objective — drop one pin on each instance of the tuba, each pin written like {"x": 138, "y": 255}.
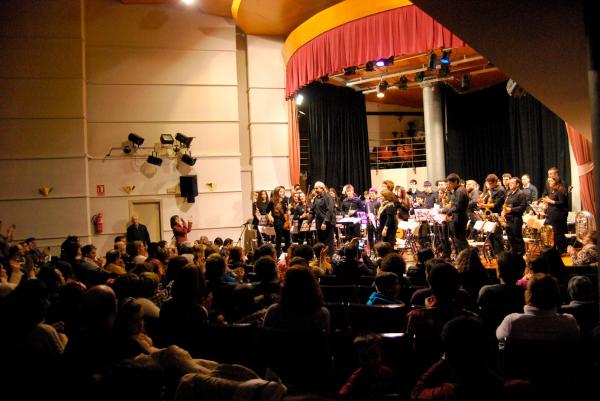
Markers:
{"x": 547, "y": 236}
{"x": 584, "y": 223}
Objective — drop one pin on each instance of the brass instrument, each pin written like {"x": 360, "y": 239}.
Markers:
{"x": 446, "y": 204}
{"x": 502, "y": 217}
{"x": 547, "y": 236}
{"x": 584, "y": 223}
{"x": 489, "y": 205}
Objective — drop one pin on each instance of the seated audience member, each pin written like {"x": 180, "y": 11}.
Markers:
{"x": 266, "y": 288}
{"x": 388, "y": 289}
{"x": 583, "y": 306}
{"x": 265, "y": 250}
{"x": 498, "y": 300}
{"x": 219, "y": 287}
{"x": 147, "y": 286}
{"x": 372, "y": 378}
{"x": 114, "y": 264}
{"x": 183, "y": 316}
{"x": 120, "y": 245}
{"x": 463, "y": 372}
{"x": 350, "y": 267}
{"x": 163, "y": 292}
{"x": 300, "y": 306}
{"x": 588, "y": 254}
{"x": 394, "y": 263}
{"x": 471, "y": 271}
{"x": 419, "y": 297}
{"x": 424, "y": 326}
{"x": 129, "y": 336}
{"x": 323, "y": 263}
{"x": 382, "y": 249}
{"x": 245, "y": 309}
{"x": 416, "y": 274}
{"x": 540, "y": 320}
{"x": 534, "y": 265}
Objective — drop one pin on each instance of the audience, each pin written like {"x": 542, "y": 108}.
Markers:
{"x": 588, "y": 254}
{"x": 388, "y": 289}
{"x": 583, "y": 305}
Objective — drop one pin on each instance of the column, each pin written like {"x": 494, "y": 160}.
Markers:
{"x": 434, "y": 132}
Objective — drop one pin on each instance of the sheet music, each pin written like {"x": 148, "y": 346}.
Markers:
{"x": 349, "y": 220}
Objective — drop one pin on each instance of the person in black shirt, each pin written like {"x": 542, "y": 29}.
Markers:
{"x": 278, "y": 212}
{"x": 371, "y": 206}
{"x": 300, "y": 213}
{"x": 498, "y": 195}
{"x": 136, "y": 232}
{"x": 530, "y": 191}
{"x": 323, "y": 211}
{"x": 459, "y": 200}
{"x": 514, "y": 206}
{"x": 350, "y": 206}
{"x": 558, "y": 210}
{"x": 388, "y": 222}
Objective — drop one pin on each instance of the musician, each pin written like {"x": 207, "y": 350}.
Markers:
{"x": 277, "y": 210}
{"x": 428, "y": 195}
{"x": 459, "y": 201}
{"x": 497, "y": 193}
{"x": 473, "y": 192}
{"x": 323, "y": 211}
{"x": 336, "y": 199}
{"x": 300, "y": 213}
{"x": 443, "y": 230}
{"x": 403, "y": 203}
{"x": 514, "y": 206}
{"x": 372, "y": 204}
{"x": 388, "y": 223}
{"x": 530, "y": 191}
{"x": 259, "y": 209}
{"x": 413, "y": 192}
{"x": 350, "y": 206}
{"x": 558, "y": 209}
{"x": 505, "y": 180}
{"x": 425, "y": 201}
{"x": 555, "y": 175}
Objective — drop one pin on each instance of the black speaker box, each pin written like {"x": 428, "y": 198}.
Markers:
{"x": 189, "y": 187}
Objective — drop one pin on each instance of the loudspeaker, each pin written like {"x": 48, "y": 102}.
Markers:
{"x": 189, "y": 187}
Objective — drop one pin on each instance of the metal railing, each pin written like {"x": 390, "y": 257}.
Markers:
{"x": 397, "y": 153}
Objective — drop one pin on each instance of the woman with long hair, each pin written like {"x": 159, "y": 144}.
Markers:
{"x": 336, "y": 199}
{"x": 277, "y": 211}
{"x": 180, "y": 228}
{"x": 402, "y": 203}
{"x": 259, "y": 212}
{"x": 558, "y": 210}
{"x": 388, "y": 222}
{"x": 300, "y": 214}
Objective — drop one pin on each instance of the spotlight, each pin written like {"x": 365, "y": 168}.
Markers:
{"x": 185, "y": 141}
{"x": 445, "y": 59}
{"x": 432, "y": 61}
{"x": 402, "y": 83}
{"x": 299, "y": 99}
{"x": 369, "y": 66}
{"x": 444, "y": 71}
{"x": 385, "y": 61}
{"x": 154, "y": 159}
{"x": 420, "y": 76}
{"x": 381, "y": 88}
{"x": 465, "y": 82}
{"x": 324, "y": 79}
{"x": 135, "y": 139}
{"x": 188, "y": 159}
{"x": 167, "y": 139}
{"x": 188, "y": 2}
{"x": 350, "y": 70}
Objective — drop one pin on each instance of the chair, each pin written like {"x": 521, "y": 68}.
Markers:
{"x": 339, "y": 316}
{"x": 340, "y": 293}
{"x": 377, "y": 318}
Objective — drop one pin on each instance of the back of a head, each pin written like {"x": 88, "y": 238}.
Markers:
{"x": 264, "y": 250}
{"x": 368, "y": 349}
{"x": 265, "y": 269}
{"x": 174, "y": 266}
{"x": 383, "y": 248}
{"x": 318, "y": 248}
{"x": 236, "y": 254}
{"x": 542, "y": 292}
{"x": 298, "y": 261}
{"x": 511, "y": 267}
{"x": 394, "y": 263}
{"x": 386, "y": 282}
{"x": 538, "y": 265}
{"x": 189, "y": 284}
{"x": 301, "y": 293}
{"x": 304, "y": 251}
{"x": 424, "y": 255}
{"x": 351, "y": 251}
{"x": 554, "y": 262}
{"x": 99, "y": 304}
{"x": 218, "y": 241}
{"x": 465, "y": 341}
{"x": 126, "y": 285}
{"x": 215, "y": 268}
{"x": 444, "y": 281}
{"x": 580, "y": 288}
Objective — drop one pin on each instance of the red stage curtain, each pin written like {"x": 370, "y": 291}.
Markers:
{"x": 583, "y": 156}
{"x": 293, "y": 142}
{"x": 404, "y": 30}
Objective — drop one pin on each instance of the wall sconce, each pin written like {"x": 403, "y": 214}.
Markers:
{"x": 129, "y": 188}
{"x": 211, "y": 185}
{"x": 45, "y": 190}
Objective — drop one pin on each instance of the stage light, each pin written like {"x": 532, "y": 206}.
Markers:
{"x": 432, "y": 61}
{"x": 188, "y": 2}
{"x": 154, "y": 159}
{"x": 445, "y": 59}
{"x": 385, "y": 61}
{"x": 135, "y": 139}
{"x": 188, "y": 159}
{"x": 381, "y": 88}
{"x": 324, "y": 78}
{"x": 402, "y": 83}
{"x": 419, "y": 76}
{"x": 185, "y": 141}
{"x": 465, "y": 82}
{"x": 299, "y": 99}
{"x": 350, "y": 70}
{"x": 167, "y": 139}
{"x": 369, "y": 66}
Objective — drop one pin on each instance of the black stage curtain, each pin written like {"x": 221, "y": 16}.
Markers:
{"x": 491, "y": 132}
{"x": 336, "y": 121}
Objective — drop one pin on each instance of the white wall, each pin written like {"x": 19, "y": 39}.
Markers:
{"x": 268, "y": 113}
{"x": 400, "y": 176}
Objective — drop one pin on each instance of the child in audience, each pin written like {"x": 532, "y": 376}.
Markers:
{"x": 388, "y": 288}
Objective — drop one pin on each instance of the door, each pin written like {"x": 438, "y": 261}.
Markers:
{"x": 149, "y": 214}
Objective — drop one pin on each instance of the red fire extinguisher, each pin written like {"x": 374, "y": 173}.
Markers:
{"x": 98, "y": 221}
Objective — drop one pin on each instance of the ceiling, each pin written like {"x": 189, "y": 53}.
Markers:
{"x": 542, "y": 48}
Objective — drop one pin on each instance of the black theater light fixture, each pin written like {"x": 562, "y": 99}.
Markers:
{"x": 188, "y": 159}
{"x": 135, "y": 139}
{"x": 445, "y": 59}
{"x": 167, "y": 139}
{"x": 185, "y": 141}
{"x": 419, "y": 76}
{"x": 444, "y": 71}
{"x": 369, "y": 66}
{"x": 350, "y": 70}
{"x": 154, "y": 159}
{"x": 432, "y": 61}
{"x": 465, "y": 82}
{"x": 381, "y": 88}
{"x": 402, "y": 83}
{"x": 383, "y": 62}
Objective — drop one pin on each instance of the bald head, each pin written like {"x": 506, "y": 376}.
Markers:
{"x": 100, "y": 304}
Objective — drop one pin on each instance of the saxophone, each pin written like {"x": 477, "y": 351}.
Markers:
{"x": 446, "y": 204}
{"x": 502, "y": 217}
{"x": 489, "y": 205}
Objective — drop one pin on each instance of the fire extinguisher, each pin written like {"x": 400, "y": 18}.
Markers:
{"x": 98, "y": 221}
